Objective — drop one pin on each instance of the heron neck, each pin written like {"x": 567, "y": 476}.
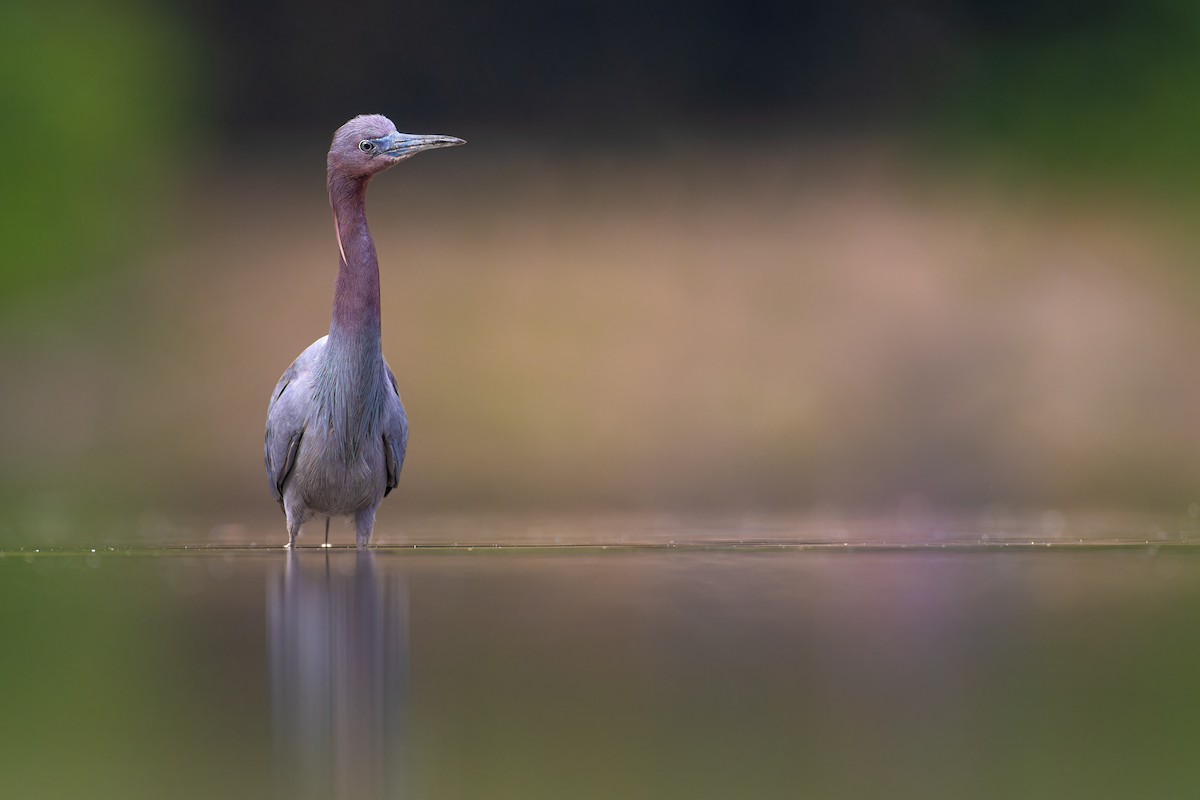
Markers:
{"x": 350, "y": 384}
{"x": 356, "y": 296}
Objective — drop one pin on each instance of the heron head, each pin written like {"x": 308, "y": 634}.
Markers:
{"x": 370, "y": 143}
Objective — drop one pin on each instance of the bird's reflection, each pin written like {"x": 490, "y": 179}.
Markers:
{"x": 338, "y": 635}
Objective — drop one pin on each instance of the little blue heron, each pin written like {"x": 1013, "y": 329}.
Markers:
{"x": 336, "y": 430}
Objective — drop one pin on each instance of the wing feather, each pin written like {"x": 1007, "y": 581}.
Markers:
{"x": 287, "y": 417}
{"x": 395, "y": 434}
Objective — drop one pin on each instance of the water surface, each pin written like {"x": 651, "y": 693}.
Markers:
{"x": 601, "y": 673}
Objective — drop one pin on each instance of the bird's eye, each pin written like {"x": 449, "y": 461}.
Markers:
{"x": 366, "y": 146}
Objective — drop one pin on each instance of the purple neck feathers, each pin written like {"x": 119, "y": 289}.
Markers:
{"x": 356, "y": 297}
{"x": 350, "y": 388}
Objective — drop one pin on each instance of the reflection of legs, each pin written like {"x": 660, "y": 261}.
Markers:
{"x": 364, "y": 521}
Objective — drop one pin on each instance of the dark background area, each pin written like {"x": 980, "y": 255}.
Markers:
{"x": 593, "y": 69}
{"x": 601, "y": 69}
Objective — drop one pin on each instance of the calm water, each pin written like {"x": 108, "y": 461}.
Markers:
{"x": 649, "y": 673}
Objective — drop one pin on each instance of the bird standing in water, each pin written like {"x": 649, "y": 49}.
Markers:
{"x": 336, "y": 430}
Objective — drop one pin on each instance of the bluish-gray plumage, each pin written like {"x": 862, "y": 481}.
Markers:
{"x": 336, "y": 429}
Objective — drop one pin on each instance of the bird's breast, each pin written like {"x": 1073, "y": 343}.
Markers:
{"x": 335, "y": 480}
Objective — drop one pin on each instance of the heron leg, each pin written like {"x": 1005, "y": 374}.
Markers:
{"x": 364, "y": 522}
{"x": 295, "y": 518}
{"x": 327, "y": 531}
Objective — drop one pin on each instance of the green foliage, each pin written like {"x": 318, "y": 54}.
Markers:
{"x": 94, "y": 97}
{"x": 1086, "y": 89}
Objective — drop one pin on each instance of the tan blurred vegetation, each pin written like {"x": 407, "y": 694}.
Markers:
{"x": 788, "y": 326}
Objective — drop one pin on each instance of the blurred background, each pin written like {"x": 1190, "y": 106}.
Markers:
{"x": 732, "y": 257}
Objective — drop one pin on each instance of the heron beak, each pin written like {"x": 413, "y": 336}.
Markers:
{"x": 404, "y": 145}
